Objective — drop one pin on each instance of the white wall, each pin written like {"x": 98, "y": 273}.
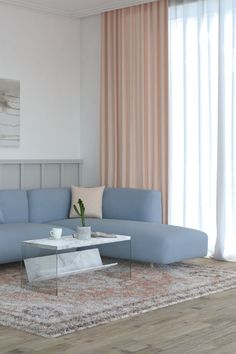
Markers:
{"x": 90, "y": 33}
{"x": 42, "y": 51}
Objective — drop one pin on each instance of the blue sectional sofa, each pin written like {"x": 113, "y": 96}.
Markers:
{"x": 31, "y": 214}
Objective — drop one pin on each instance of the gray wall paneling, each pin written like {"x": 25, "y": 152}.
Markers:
{"x": 29, "y": 174}
{"x": 10, "y": 177}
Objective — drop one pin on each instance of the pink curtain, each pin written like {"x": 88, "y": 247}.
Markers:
{"x": 134, "y": 98}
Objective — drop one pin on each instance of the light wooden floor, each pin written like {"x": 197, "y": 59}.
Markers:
{"x": 204, "y": 325}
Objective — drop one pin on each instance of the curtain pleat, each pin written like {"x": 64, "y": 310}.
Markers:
{"x": 134, "y": 98}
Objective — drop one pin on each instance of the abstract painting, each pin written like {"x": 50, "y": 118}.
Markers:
{"x": 9, "y": 112}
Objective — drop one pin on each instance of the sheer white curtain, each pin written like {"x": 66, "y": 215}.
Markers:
{"x": 202, "y": 132}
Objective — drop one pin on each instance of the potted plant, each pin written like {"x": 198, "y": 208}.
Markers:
{"x": 83, "y": 232}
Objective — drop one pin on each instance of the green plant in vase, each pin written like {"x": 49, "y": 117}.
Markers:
{"x": 80, "y": 210}
{"x": 83, "y": 232}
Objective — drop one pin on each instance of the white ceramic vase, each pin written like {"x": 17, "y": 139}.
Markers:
{"x": 84, "y": 232}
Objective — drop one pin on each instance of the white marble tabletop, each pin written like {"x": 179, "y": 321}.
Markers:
{"x": 68, "y": 242}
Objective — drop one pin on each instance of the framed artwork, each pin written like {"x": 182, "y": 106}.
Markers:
{"x": 9, "y": 112}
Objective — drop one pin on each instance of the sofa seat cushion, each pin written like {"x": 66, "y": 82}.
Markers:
{"x": 151, "y": 242}
{"x": 12, "y": 235}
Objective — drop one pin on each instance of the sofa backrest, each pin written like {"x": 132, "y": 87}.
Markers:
{"x": 49, "y": 204}
{"x": 132, "y": 204}
{"x": 45, "y": 205}
{"x": 13, "y": 206}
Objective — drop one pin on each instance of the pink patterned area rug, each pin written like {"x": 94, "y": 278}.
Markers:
{"x": 98, "y": 297}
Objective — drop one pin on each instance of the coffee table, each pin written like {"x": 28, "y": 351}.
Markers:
{"x": 46, "y": 260}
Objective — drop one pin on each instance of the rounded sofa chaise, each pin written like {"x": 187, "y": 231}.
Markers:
{"x": 31, "y": 214}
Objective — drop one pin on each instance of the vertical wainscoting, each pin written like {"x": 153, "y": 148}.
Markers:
{"x": 29, "y": 174}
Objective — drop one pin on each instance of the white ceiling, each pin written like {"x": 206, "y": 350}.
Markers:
{"x": 74, "y": 8}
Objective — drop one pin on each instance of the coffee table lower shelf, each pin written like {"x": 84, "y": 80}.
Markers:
{"x": 64, "y": 264}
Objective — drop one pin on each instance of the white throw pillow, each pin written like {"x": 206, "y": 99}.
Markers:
{"x": 92, "y": 199}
